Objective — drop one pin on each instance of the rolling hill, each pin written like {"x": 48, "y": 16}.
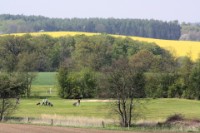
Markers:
{"x": 178, "y": 48}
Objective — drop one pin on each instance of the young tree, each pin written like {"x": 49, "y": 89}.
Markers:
{"x": 87, "y": 83}
{"x": 126, "y": 84}
{"x": 64, "y": 82}
{"x": 81, "y": 84}
{"x": 185, "y": 70}
{"x": 26, "y": 66}
{"x": 195, "y": 81}
{"x": 11, "y": 86}
{"x": 11, "y": 47}
{"x": 17, "y": 55}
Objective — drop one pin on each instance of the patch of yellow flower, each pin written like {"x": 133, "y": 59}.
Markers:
{"x": 178, "y": 48}
{"x": 56, "y": 34}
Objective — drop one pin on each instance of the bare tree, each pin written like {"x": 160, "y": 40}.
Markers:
{"x": 126, "y": 84}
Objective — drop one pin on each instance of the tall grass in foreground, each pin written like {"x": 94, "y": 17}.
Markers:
{"x": 79, "y": 121}
{"x": 63, "y": 121}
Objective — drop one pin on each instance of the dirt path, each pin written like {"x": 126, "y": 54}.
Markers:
{"x": 22, "y": 128}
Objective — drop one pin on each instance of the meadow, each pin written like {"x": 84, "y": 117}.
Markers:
{"x": 44, "y": 85}
{"x": 177, "y": 48}
{"x": 152, "y": 109}
{"x": 45, "y": 78}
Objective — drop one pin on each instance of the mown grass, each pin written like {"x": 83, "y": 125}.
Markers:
{"x": 62, "y": 107}
{"x": 44, "y": 91}
{"x": 155, "y": 109}
{"x": 45, "y": 78}
{"x": 93, "y": 112}
{"x": 160, "y": 109}
{"x": 44, "y": 85}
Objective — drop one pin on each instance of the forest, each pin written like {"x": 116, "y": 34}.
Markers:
{"x": 172, "y": 30}
{"x": 135, "y": 27}
{"x": 88, "y": 65}
{"x": 190, "y": 31}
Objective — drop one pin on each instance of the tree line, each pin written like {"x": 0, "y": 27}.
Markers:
{"x": 190, "y": 31}
{"x": 136, "y": 27}
{"x": 82, "y": 63}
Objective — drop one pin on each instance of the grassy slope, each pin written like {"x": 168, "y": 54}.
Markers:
{"x": 158, "y": 109}
{"x": 179, "y": 48}
{"x": 61, "y": 107}
{"x": 155, "y": 110}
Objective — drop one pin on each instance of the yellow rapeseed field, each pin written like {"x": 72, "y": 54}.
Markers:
{"x": 56, "y": 34}
{"x": 178, "y": 48}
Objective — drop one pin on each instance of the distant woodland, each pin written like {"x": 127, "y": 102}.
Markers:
{"x": 133, "y": 27}
{"x": 45, "y": 53}
{"x": 190, "y": 32}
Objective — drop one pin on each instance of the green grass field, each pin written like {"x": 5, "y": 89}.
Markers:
{"x": 44, "y": 85}
{"x": 45, "y": 78}
{"x": 159, "y": 109}
{"x": 28, "y": 108}
{"x": 154, "y": 109}
{"x": 42, "y": 91}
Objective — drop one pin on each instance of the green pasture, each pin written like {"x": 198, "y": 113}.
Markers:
{"x": 44, "y": 85}
{"x": 44, "y": 91}
{"x": 152, "y": 109}
{"x": 160, "y": 109}
{"x": 28, "y": 108}
{"x": 45, "y": 78}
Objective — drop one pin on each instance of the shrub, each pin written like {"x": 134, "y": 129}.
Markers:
{"x": 175, "y": 117}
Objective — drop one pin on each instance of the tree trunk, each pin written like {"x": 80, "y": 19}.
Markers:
{"x": 28, "y": 85}
{"x": 2, "y": 109}
{"x": 125, "y": 122}
{"x": 120, "y": 112}
{"x": 130, "y": 112}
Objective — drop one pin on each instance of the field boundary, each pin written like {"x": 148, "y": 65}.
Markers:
{"x": 72, "y": 122}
